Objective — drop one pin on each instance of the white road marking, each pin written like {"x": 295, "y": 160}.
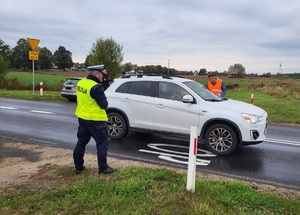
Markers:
{"x": 285, "y": 142}
{"x": 170, "y": 157}
{"x": 38, "y": 111}
{"x": 176, "y": 156}
{"x": 10, "y": 108}
{"x": 155, "y": 146}
{"x": 32, "y": 111}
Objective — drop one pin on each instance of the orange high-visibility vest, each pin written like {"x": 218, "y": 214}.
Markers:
{"x": 217, "y": 88}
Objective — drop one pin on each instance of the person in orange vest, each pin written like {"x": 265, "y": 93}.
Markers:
{"x": 216, "y": 85}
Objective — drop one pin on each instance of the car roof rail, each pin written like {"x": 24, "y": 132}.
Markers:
{"x": 162, "y": 75}
{"x": 140, "y": 76}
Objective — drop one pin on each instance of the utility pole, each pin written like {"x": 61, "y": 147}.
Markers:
{"x": 280, "y": 69}
{"x": 168, "y": 67}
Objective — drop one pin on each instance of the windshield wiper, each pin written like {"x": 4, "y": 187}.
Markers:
{"x": 213, "y": 100}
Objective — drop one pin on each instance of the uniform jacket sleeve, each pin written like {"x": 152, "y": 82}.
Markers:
{"x": 224, "y": 89}
{"x": 97, "y": 93}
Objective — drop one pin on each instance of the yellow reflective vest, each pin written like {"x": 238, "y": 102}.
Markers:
{"x": 87, "y": 107}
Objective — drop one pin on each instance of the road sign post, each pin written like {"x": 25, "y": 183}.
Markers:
{"x": 33, "y": 55}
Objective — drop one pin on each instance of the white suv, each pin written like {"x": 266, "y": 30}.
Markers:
{"x": 172, "y": 105}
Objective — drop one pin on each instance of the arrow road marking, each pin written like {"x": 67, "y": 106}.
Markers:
{"x": 176, "y": 156}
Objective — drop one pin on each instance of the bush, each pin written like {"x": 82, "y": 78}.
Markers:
{"x": 232, "y": 86}
{"x": 3, "y": 68}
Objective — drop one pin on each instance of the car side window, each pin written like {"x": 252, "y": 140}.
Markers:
{"x": 143, "y": 88}
{"x": 171, "y": 91}
{"x": 123, "y": 88}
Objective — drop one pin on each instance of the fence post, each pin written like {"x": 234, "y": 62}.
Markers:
{"x": 41, "y": 88}
{"x": 252, "y": 99}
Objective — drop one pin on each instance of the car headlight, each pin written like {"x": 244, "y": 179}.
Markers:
{"x": 253, "y": 119}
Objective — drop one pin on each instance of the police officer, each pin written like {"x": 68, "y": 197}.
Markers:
{"x": 92, "y": 118}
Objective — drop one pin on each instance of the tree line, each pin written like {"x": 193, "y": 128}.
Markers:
{"x": 104, "y": 51}
{"x": 18, "y": 56}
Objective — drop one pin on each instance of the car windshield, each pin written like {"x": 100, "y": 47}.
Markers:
{"x": 200, "y": 90}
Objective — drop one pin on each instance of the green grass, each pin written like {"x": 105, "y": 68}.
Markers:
{"x": 146, "y": 191}
{"x": 281, "y": 110}
{"x": 33, "y": 95}
{"x": 25, "y": 78}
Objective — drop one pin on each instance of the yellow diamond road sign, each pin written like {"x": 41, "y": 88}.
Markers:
{"x": 33, "y": 43}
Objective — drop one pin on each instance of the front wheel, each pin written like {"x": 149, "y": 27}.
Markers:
{"x": 117, "y": 127}
{"x": 221, "y": 139}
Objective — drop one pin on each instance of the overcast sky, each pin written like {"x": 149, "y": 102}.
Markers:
{"x": 189, "y": 34}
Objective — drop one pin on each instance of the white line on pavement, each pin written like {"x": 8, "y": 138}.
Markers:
{"x": 10, "y": 108}
{"x": 286, "y": 142}
{"x": 38, "y": 111}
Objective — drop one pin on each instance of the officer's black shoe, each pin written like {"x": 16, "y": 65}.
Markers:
{"x": 108, "y": 170}
{"x": 78, "y": 171}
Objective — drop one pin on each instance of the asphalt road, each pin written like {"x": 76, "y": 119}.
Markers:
{"x": 275, "y": 161}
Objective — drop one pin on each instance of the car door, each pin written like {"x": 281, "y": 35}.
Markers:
{"x": 137, "y": 103}
{"x": 170, "y": 113}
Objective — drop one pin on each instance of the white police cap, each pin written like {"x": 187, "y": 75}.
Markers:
{"x": 98, "y": 68}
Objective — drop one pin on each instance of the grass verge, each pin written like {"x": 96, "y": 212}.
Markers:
{"x": 137, "y": 190}
{"x": 33, "y": 95}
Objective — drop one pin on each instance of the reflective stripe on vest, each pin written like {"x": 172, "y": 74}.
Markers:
{"x": 87, "y": 107}
{"x": 217, "y": 88}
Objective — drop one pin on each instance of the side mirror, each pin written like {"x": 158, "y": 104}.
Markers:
{"x": 188, "y": 99}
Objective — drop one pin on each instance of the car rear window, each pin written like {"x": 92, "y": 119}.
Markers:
{"x": 123, "y": 88}
{"x": 72, "y": 81}
{"x": 143, "y": 88}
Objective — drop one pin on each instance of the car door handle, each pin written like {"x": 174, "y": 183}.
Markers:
{"x": 159, "y": 106}
{"x": 126, "y": 100}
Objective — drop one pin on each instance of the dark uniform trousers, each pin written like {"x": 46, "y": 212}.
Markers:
{"x": 86, "y": 130}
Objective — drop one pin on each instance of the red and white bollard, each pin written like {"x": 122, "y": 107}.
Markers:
{"x": 252, "y": 99}
{"x": 41, "y": 88}
{"x": 191, "y": 175}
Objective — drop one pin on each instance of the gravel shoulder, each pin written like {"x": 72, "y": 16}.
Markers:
{"x": 33, "y": 167}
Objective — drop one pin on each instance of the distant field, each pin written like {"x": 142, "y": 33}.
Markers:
{"x": 58, "y": 75}
{"x": 52, "y": 78}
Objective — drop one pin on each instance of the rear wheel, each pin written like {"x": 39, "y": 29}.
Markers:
{"x": 117, "y": 127}
{"x": 221, "y": 139}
